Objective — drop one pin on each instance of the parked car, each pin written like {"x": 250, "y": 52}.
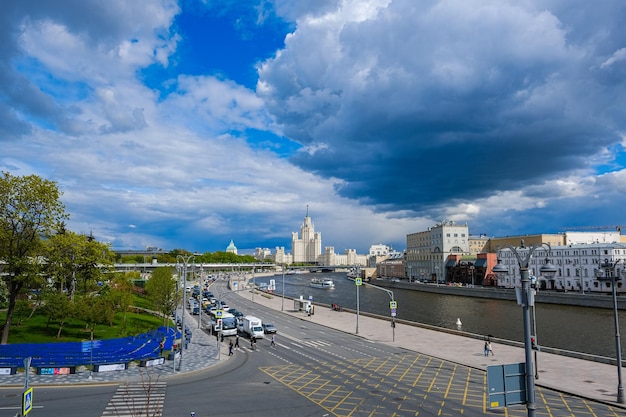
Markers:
{"x": 268, "y": 328}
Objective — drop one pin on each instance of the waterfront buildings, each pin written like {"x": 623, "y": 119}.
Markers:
{"x": 428, "y": 251}
{"x": 577, "y": 265}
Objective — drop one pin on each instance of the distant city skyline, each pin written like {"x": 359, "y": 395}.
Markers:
{"x": 185, "y": 124}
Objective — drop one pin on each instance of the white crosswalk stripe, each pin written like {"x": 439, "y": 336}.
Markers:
{"x": 137, "y": 399}
{"x": 315, "y": 343}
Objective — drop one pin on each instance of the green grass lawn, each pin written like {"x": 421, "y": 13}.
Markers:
{"x": 37, "y": 330}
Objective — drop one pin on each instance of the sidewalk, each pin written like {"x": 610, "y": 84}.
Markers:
{"x": 592, "y": 380}
{"x": 587, "y": 379}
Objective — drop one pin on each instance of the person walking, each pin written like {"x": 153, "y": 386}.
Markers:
{"x": 161, "y": 346}
{"x": 237, "y": 341}
{"x": 253, "y": 343}
{"x": 230, "y": 348}
{"x": 490, "y": 349}
{"x": 486, "y": 350}
{"x": 273, "y": 341}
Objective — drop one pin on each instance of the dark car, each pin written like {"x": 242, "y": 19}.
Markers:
{"x": 268, "y": 328}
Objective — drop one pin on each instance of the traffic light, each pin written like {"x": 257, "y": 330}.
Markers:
{"x": 219, "y": 325}
{"x": 533, "y": 342}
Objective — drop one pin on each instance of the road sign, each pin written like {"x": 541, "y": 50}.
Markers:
{"x": 219, "y": 313}
{"x": 393, "y": 305}
{"x": 27, "y": 401}
{"x": 393, "y": 312}
{"x": 358, "y": 281}
{"x": 506, "y": 385}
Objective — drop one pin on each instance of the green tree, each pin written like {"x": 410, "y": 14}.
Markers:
{"x": 161, "y": 290}
{"x": 73, "y": 259}
{"x": 120, "y": 294}
{"x": 30, "y": 211}
{"x": 58, "y": 308}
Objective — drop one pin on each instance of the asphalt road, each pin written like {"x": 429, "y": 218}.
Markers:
{"x": 313, "y": 371}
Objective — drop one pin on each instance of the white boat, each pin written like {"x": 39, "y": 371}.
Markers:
{"x": 326, "y": 284}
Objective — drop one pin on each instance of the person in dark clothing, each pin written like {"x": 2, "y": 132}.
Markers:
{"x": 230, "y": 348}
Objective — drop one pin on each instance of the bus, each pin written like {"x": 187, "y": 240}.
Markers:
{"x": 229, "y": 323}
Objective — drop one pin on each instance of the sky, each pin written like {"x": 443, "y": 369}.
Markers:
{"x": 185, "y": 124}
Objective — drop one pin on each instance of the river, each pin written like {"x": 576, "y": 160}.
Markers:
{"x": 579, "y": 329}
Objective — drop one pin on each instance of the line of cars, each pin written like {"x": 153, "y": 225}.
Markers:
{"x": 230, "y": 321}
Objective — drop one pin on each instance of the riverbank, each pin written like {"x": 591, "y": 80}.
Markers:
{"x": 591, "y": 378}
{"x": 548, "y": 297}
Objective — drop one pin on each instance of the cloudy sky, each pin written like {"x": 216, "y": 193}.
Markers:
{"x": 184, "y": 124}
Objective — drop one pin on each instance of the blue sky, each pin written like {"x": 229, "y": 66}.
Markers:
{"x": 185, "y": 124}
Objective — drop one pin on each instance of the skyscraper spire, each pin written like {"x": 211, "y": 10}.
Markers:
{"x": 307, "y": 211}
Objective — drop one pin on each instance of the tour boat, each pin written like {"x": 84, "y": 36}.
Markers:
{"x": 326, "y": 284}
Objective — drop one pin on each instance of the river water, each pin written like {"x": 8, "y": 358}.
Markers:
{"x": 579, "y": 329}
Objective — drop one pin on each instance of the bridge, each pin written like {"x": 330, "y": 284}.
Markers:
{"x": 148, "y": 267}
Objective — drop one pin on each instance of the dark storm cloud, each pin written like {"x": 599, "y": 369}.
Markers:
{"x": 432, "y": 102}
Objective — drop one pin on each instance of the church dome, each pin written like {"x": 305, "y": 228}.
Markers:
{"x": 231, "y": 247}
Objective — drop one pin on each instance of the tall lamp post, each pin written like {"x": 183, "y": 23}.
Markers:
{"x": 282, "y": 304}
{"x": 185, "y": 260}
{"x": 607, "y": 273}
{"x": 548, "y": 270}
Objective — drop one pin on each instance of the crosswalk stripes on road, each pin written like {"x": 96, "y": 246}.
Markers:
{"x": 315, "y": 343}
{"x": 137, "y": 399}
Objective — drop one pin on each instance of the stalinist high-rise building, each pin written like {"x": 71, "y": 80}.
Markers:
{"x": 309, "y": 247}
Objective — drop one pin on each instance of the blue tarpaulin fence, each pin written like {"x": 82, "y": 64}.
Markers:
{"x": 67, "y": 354}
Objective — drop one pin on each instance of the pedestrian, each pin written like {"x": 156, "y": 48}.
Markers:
{"x": 486, "y": 348}
{"x": 490, "y": 348}
{"x": 230, "y": 348}
{"x": 273, "y": 341}
{"x": 161, "y": 346}
{"x": 237, "y": 341}
{"x": 253, "y": 343}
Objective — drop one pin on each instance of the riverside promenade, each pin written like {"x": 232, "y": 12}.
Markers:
{"x": 583, "y": 378}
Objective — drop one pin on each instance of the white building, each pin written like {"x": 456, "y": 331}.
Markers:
{"x": 578, "y": 266}
{"x": 379, "y": 250}
{"x": 349, "y": 258}
{"x": 308, "y": 247}
{"x": 427, "y": 251}
{"x": 262, "y": 254}
{"x": 282, "y": 258}
{"x": 231, "y": 248}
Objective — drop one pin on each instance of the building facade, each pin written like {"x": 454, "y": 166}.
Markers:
{"x": 427, "y": 251}
{"x": 308, "y": 247}
{"x": 578, "y": 266}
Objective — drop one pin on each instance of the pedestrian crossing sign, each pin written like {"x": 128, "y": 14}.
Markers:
{"x": 358, "y": 281}
{"x": 219, "y": 313}
{"x": 393, "y": 305}
{"x": 27, "y": 401}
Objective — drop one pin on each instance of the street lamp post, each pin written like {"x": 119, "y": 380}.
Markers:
{"x": 607, "y": 273}
{"x": 185, "y": 261}
{"x": 253, "y": 286}
{"x": 282, "y": 305}
{"x": 548, "y": 270}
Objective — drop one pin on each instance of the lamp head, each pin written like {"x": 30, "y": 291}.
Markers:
{"x": 548, "y": 270}
{"x": 500, "y": 270}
